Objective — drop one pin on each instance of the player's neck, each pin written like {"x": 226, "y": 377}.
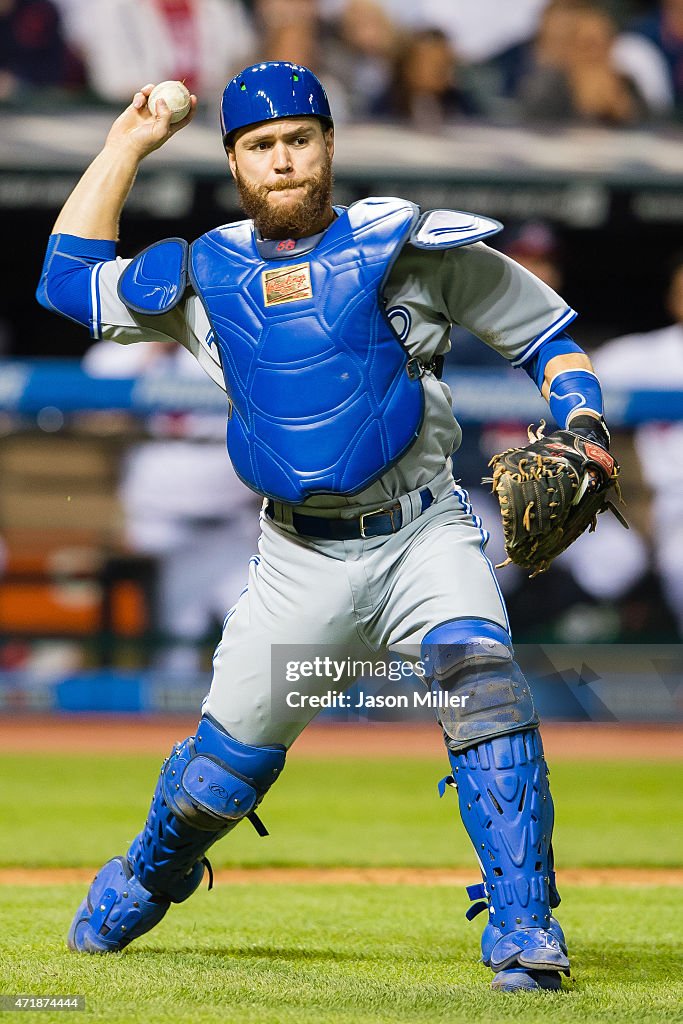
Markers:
{"x": 299, "y": 232}
{"x": 295, "y": 243}
{"x": 285, "y": 248}
{"x": 322, "y": 224}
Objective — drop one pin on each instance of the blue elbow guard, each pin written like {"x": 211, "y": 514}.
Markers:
{"x": 65, "y": 279}
{"x": 572, "y": 390}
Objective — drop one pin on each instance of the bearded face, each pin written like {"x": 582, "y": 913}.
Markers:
{"x": 296, "y": 216}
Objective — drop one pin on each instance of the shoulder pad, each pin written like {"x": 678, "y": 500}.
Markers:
{"x": 447, "y": 229}
{"x": 156, "y": 280}
{"x": 379, "y": 204}
{"x": 375, "y": 208}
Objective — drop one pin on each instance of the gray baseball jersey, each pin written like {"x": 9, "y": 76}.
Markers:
{"x": 475, "y": 286}
{"x": 364, "y": 594}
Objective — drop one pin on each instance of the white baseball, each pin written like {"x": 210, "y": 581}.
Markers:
{"x": 176, "y": 96}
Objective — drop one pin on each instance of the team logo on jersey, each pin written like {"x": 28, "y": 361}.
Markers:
{"x": 287, "y": 284}
{"x": 400, "y": 320}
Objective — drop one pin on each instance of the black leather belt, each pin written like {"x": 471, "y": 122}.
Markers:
{"x": 379, "y": 523}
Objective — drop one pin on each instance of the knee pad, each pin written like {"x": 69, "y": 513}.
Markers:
{"x": 478, "y": 689}
{"x": 212, "y": 780}
{"x": 208, "y": 784}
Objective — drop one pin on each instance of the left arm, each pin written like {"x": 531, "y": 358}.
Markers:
{"x": 571, "y": 388}
{"x": 524, "y": 320}
{"x": 558, "y": 365}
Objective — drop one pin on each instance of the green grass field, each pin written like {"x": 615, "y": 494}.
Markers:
{"x": 81, "y": 809}
{"x": 275, "y": 954}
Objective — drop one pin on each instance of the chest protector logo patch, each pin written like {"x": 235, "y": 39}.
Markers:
{"x": 287, "y": 284}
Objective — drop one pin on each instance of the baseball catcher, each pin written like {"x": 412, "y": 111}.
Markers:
{"x": 326, "y": 327}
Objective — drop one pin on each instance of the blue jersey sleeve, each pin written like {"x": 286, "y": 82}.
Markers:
{"x": 68, "y": 283}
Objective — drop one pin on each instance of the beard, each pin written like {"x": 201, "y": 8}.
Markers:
{"x": 275, "y": 220}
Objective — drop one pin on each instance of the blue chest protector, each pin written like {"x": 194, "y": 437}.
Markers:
{"x": 321, "y": 395}
{"x": 324, "y": 396}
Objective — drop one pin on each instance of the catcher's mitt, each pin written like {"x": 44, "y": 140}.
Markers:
{"x": 550, "y": 492}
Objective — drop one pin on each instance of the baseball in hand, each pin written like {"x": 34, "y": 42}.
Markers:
{"x": 176, "y": 97}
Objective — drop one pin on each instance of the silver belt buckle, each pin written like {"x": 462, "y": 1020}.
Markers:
{"x": 376, "y": 512}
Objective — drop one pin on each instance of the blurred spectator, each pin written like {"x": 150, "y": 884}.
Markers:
{"x": 184, "y": 505}
{"x": 653, "y": 359}
{"x": 126, "y": 43}
{"x": 425, "y": 89}
{"x": 572, "y": 74}
{"x": 288, "y": 30}
{"x": 477, "y": 30}
{"x": 291, "y": 30}
{"x": 633, "y": 56}
{"x": 535, "y": 245}
{"x": 360, "y": 49}
{"x": 477, "y": 33}
{"x": 639, "y": 59}
{"x": 480, "y": 29}
{"x": 664, "y": 29}
{"x": 34, "y": 54}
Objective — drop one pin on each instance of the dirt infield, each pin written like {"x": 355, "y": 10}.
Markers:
{"x": 596, "y": 877}
{"x": 101, "y": 734}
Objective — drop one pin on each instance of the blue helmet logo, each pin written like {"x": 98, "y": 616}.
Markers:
{"x": 269, "y": 91}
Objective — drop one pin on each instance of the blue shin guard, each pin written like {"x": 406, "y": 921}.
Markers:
{"x": 208, "y": 785}
{"x": 507, "y": 809}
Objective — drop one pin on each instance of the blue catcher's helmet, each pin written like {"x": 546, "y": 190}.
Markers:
{"x": 271, "y": 90}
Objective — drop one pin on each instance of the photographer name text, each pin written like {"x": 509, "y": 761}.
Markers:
{"x": 361, "y": 700}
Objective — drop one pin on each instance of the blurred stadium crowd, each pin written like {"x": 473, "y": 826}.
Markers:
{"x": 422, "y": 62}
{"x": 186, "y": 523}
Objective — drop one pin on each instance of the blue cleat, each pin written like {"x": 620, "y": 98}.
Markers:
{"x": 116, "y": 910}
{"x": 516, "y": 979}
{"x": 535, "y": 949}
